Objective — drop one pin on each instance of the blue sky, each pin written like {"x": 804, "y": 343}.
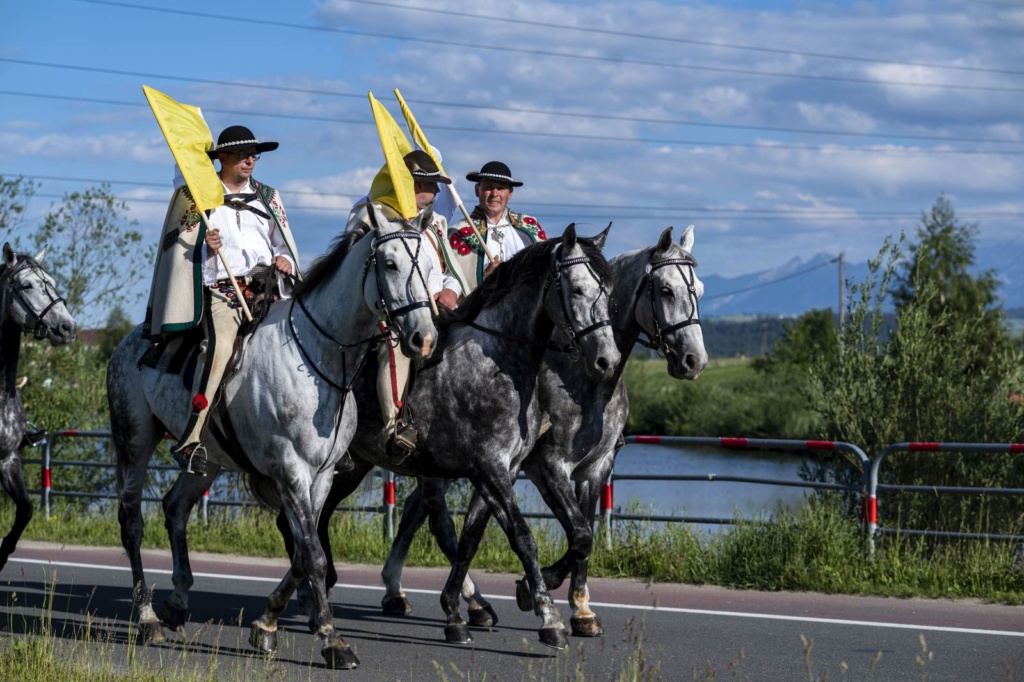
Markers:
{"x": 780, "y": 129}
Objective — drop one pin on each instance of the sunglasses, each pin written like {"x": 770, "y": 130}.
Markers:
{"x": 241, "y": 156}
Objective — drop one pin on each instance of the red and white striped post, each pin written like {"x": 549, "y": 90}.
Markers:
{"x": 389, "y": 506}
{"x": 47, "y": 477}
{"x": 607, "y": 501}
{"x": 206, "y": 507}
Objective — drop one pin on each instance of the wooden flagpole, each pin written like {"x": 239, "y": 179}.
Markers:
{"x": 231, "y": 276}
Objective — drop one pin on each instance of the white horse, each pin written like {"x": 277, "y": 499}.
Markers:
{"x": 283, "y": 416}
{"x": 28, "y": 305}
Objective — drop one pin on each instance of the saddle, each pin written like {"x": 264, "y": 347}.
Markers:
{"x": 180, "y": 354}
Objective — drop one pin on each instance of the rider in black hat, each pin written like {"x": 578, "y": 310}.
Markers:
{"x": 506, "y": 232}
{"x": 191, "y": 285}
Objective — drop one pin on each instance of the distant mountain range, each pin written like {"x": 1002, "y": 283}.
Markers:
{"x": 798, "y": 286}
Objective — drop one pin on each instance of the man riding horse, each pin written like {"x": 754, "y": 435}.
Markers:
{"x": 191, "y": 285}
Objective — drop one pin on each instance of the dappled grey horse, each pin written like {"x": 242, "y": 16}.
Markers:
{"x": 283, "y": 416}
{"x": 654, "y": 302}
{"x": 476, "y": 401}
{"x": 29, "y": 304}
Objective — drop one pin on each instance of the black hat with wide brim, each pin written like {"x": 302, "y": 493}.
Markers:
{"x": 239, "y": 137}
{"x": 494, "y": 170}
{"x": 423, "y": 168}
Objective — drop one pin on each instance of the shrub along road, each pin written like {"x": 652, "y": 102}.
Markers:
{"x": 682, "y": 631}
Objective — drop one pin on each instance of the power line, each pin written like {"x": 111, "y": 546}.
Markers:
{"x": 501, "y": 109}
{"x": 720, "y": 213}
{"x": 681, "y": 41}
{"x": 506, "y": 49}
{"x": 768, "y": 146}
{"x": 799, "y": 273}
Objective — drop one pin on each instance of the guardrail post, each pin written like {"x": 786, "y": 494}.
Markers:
{"x": 47, "y": 481}
{"x": 606, "y": 510}
{"x": 205, "y": 512}
{"x": 389, "y": 506}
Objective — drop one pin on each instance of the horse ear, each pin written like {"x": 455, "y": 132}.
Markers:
{"x": 569, "y": 237}
{"x": 9, "y": 256}
{"x": 686, "y": 240}
{"x": 664, "y": 242}
{"x": 41, "y": 255}
{"x": 600, "y": 239}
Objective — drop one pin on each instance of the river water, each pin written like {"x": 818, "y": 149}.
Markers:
{"x": 703, "y": 499}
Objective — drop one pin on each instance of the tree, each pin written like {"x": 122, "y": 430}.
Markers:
{"x": 97, "y": 257}
{"x": 15, "y": 195}
{"x": 117, "y": 327}
{"x": 944, "y": 255}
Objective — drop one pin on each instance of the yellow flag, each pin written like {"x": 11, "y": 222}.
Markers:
{"x": 393, "y": 185}
{"x": 189, "y": 138}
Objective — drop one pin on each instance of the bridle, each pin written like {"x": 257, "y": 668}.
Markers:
{"x": 656, "y": 341}
{"x": 382, "y": 306}
{"x": 11, "y": 285}
{"x": 558, "y": 265}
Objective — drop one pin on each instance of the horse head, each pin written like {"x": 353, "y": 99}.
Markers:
{"x": 396, "y": 285}
{"x": 671, "y": 316}
{"x": 30, "y": 300}
{"x": 579, "y": 303}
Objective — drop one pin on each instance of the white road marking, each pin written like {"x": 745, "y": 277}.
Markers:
{"x": 606, "y": 605}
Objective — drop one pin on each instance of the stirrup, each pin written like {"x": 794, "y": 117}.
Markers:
{"x": 186, "y": 458}
{"x": 402, "y": 442}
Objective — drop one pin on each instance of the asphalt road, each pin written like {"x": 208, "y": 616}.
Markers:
{"x": 83, "y": 595}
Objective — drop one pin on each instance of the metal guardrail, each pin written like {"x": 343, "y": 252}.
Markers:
{"x": 874, "y": 487}
{"x": 867, "y": 489}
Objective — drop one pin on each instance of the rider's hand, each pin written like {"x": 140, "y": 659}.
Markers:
{"x": 213, "y": 241}
{"x": 282, "y": 264}
{"x": 491, "y": 266}
{"x": 447, "y": 298}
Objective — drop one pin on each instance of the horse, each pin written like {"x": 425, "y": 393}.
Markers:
{"x": 654, "y": 302}
{"x": 476, "y": 401}
{"x": 29, "y": 304}
{"x": 283, "y": 416}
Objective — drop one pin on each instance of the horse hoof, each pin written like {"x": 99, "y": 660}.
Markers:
{"x": 586, "y": 627}
{"x": 338, "y": 655}
{"x": 554, "y": 638}
{"x": 152, "y": 632}
{"x": 395, "y": 606}
{"x": 174, "y": 617}
{"x": 523, "y": 597}
{"x": 457, "y": 633}
{"x": 483, "y": 617}
{"x": 262, "y": 640}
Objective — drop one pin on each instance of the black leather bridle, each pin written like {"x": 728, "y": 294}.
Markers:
{"x": 656, "y": 341}
{"x": 11, "y": 286}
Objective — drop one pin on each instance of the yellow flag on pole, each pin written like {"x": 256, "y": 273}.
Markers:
{"x": 189, "y": 138}
{"x": 417, "y": 133}
{"x": 394, "y": 184}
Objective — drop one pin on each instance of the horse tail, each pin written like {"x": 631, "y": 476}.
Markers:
{"x": 263, "y": 490}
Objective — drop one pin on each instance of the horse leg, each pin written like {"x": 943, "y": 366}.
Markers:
{"x": 456, "y": 630}
{"x": 302, "y": 501}
{"x": 414, "y": 514}
{"x": 178, "y": 504}
{"x": 496, "y": 490}
{"x": 13, "y": 480}
{"x": 134, "y": 442}
{"x": 344, "y": 483}
{"x": 584, "y": 622}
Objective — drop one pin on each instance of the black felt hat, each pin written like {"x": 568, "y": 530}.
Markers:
{"x": 424, "y": 168}
{"x": 234, "y": 138}
{"x": 494, "y": 170}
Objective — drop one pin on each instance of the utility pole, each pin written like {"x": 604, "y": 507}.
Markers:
{"x": 842, "y": 289}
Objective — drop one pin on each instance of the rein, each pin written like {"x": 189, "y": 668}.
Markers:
{"x": 382, "y": 307}
{"x": 573, "y": 347}
{"x": 656, "y": 341}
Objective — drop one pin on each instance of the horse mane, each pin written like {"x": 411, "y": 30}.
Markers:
{"x": 520, "y": 272}
{"x": 327, "y": 264}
